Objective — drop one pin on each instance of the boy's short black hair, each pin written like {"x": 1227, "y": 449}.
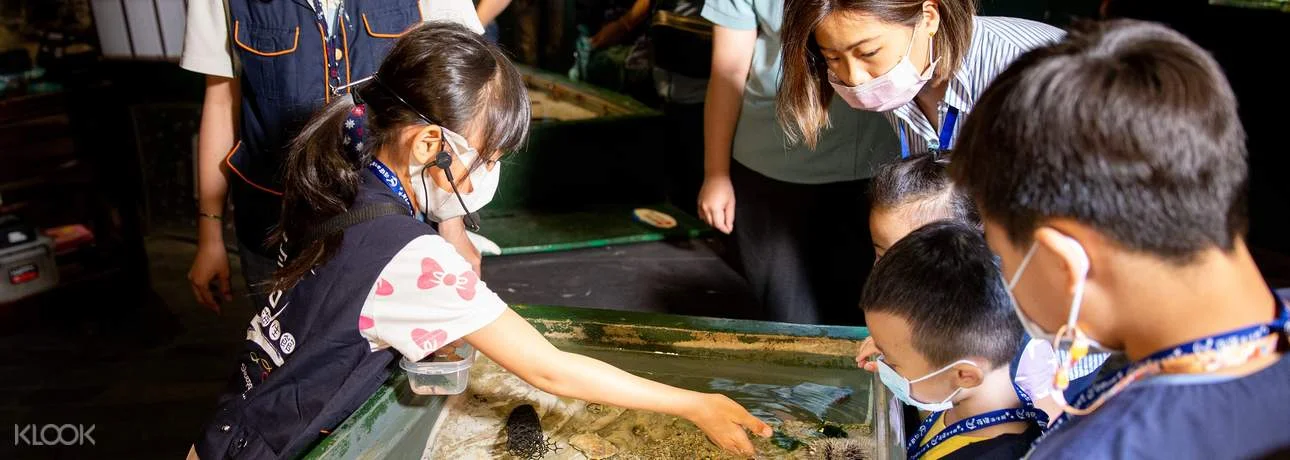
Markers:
{"x": 1124, "y": 126}
{"x": 923, "y": 180}
{"x": 945, "y": 282}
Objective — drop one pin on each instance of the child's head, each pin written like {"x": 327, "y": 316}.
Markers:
{"x": 1110, "y": 155}
{"x": 455, "y": 77}
{"x": 911, "y": 193}
{"x": 936, "y": 300}
{"x": 441, "y": 88}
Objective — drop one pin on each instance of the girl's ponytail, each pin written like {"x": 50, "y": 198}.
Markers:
{"x": 320, "y": 181}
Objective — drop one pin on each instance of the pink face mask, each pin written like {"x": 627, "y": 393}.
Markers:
{"x": 893, "y": 89}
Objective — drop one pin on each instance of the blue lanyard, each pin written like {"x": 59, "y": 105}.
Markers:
{"x": 391, "y": 181}
{"x": 1211, "y": 343}
{"x": 333, "y": 55}
{"x": 998, "y": 417}
{"x": 947, "y": 133}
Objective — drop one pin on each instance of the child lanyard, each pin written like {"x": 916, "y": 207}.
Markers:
{"x": 354, "y": 130}
{"x": 333, "y": 55}
{"x": 1027, "y": 411}
{"x": 947, "y": 133}
{"x": 391, "y": 181}
{"x": 1210, "y": 351}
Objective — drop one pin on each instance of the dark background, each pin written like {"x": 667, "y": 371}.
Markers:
{"x": 122, "y": 345}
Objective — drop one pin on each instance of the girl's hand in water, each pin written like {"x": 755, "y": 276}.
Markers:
{"x": 724, "y": 422}
{"x": 514, "y": 344}
{"x": 866, "y": 351}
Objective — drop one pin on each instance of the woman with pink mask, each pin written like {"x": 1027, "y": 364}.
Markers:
{"x": 922, "y": 63}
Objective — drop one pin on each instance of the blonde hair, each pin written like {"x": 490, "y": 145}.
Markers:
{"x": 802, "y": 102}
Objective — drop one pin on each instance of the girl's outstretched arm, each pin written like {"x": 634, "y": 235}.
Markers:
{"x": 515, "y": 345}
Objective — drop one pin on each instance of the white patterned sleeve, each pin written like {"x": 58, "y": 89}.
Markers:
{"x": 425, "y": 297}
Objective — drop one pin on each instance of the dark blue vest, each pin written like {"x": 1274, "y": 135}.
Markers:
{"x": 306, "y": 367}
{"x": 284, "y": 80}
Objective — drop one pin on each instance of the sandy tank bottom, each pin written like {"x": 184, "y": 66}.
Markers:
{"x": 473, "y": 426}
{"x": 544, "y": 106}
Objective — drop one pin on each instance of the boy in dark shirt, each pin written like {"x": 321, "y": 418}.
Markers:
{"x": 1110, "y": 169}
{"x": 941, "y": 320}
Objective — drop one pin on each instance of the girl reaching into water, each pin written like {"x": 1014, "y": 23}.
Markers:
{"x": 362, "y": 280}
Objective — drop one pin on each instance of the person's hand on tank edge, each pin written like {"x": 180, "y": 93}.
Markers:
{"x": 864, "y": 352}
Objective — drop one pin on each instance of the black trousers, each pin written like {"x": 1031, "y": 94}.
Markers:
{"x": 805, "y": 248}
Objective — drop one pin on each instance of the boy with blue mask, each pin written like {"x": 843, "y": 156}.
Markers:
{"x": 1110, "y": 169}
{"x": 916, "y": 191}
{"x": 940, "y": 318}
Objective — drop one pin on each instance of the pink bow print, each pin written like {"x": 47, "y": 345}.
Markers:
{"x": 429, "y": 340}
{"x": 384, "y": 288}
{"x": 433, "y": 275}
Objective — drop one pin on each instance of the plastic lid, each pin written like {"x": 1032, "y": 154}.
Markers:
{"x": 441, "y": 367}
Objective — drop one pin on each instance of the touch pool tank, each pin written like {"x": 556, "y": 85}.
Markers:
{"x": 800, "y": 378}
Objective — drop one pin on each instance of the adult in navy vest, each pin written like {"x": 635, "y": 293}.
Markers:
{"x": 269, "y": 65}
{"x": 346, "y": 303}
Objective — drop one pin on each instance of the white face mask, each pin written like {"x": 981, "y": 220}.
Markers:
{"x": 1031, "y": 327}
{"x": 891, "y": 90}
{"x": 1034, "y": 329}
{"x": 440, "y": 204}
{"x": 900, "y": 386}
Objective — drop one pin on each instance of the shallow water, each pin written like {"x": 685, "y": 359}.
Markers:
{"x": 769, "y": 391}
{"x": 795, "y": 400}
{"x": 545, "y": 107}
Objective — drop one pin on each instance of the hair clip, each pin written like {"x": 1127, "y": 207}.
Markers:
{"x": 354, "y": 131}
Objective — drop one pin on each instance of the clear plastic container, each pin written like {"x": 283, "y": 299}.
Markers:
{"x": 440, "y": 378}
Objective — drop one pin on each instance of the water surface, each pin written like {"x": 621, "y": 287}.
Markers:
{"x": 797, "y": 400}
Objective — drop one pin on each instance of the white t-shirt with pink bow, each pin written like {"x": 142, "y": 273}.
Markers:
{"x": 426, "y": 297}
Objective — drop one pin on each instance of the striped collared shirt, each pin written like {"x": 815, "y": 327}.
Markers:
{"x": 996, "y": 42}
{"x": 1084, "y": 367}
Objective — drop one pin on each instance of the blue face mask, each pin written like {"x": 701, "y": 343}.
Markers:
{"x": 899, "y": 386}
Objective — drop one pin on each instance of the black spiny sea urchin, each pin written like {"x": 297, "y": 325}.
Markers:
{"x": 524, "y": 437}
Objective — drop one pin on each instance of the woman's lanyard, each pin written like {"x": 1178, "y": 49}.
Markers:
{"x": 1027, "y": 411}
{"x": 334, "y": 56}
{"x": 1208, "y": 354}
{"x": 392, "y": 182}
{"x": 947, "y": 133}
